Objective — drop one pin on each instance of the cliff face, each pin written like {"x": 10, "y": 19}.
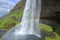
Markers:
{"x": 50, "y": 8}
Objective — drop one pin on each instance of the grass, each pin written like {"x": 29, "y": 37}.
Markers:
{"x": 46, "y": 27}
{"x": 5, "y": 23}
{"x": 49, "y": 29}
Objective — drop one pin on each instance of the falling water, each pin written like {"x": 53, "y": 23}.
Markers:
{"x": 29, "y": 27}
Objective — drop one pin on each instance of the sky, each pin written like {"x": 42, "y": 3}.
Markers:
{"x": 6, "y": 6}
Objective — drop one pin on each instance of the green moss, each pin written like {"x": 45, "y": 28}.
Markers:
{"x": 45, "y": 27}
{"x": 4, "y": 20}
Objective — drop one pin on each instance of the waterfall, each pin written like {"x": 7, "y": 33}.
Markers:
{"x": 30, "y": 20}
{"x": 29, "y": 27}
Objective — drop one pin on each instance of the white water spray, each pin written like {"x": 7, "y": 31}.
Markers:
{"x": 29, "y": 27}
{"x": 30, "y": 20}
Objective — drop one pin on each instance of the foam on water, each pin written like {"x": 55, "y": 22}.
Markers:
{"x": 29, "y": 27}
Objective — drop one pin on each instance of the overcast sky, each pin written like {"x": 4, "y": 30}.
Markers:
{"x": 6, "y": 6}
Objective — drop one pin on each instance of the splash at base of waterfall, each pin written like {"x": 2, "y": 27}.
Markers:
{"x": 14, "y": 34}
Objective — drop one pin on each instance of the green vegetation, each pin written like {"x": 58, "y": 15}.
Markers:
{"x": 46, "y": 27}
{"x": 49, "y": 34}
{"x": 11, "y": 19}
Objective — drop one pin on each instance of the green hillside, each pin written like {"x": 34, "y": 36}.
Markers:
{"x": 13, "y": 17}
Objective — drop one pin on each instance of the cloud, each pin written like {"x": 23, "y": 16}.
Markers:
{"x": 6, "y": 6}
